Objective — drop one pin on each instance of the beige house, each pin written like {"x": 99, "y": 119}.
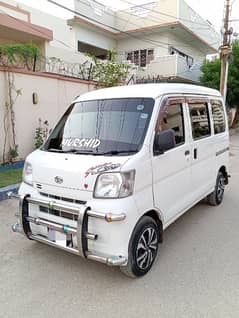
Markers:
{"x": 164, "y": 39}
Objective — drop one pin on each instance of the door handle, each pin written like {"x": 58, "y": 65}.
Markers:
{"x": 187, "y": 152}
{"x": 195, "y": 153}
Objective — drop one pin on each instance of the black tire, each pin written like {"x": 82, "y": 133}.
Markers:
{"x": 143, "y": 248}
{"x": 216, "y": 197}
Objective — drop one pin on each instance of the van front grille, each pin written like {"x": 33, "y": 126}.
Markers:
{"x": 60, "y": 213}
{"x": 56, "y": 197}
{"x": 63, "y": 214}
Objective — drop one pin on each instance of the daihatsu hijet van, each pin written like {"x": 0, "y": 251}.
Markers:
{"x": 121, "y": 165}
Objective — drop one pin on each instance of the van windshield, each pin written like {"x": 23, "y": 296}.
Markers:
{"x": 106, "y": 126}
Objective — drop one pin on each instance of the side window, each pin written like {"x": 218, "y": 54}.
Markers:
{"x": 172, "y": 118}
{"x": 218, "y": 116}
{"x": 200, "y": 122}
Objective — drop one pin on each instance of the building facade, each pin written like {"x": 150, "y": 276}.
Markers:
{"x": 164, "y": 39}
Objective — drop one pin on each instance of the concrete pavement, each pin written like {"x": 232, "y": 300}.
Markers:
{"x": 196, "y": 275}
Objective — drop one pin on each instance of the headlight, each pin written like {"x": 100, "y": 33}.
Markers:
{"x": 114, "y": 185}
{"x": 27, "y": 173}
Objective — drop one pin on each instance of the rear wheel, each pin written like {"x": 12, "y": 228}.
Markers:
{"x": 143, "y": 248}
{"x": 216, "y": 197}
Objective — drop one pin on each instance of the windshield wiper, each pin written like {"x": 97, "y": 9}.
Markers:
{"x": 55, "y": 150}
{"x": 80, "y": 152}
{"x": 91, "y": 152}
{"x": 87, "y": 152}
{"x": 117, "y": 152}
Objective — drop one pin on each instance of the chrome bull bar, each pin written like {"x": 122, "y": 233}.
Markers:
{"x": 81, "y": 231}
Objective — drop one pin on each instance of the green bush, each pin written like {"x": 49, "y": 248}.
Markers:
{"x": 19, "y": 55}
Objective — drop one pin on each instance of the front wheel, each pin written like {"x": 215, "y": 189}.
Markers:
{"x": 143, "y": 248}
{"x": 216, "y": 197}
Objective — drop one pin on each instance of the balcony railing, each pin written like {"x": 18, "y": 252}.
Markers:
{"x": 170, "y": 66}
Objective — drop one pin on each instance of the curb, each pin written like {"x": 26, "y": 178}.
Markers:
{"x": 15, "y": 165}
{"x": 3, "y": 191}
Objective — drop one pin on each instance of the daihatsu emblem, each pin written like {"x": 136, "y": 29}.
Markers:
{"x": 58, "y": 179}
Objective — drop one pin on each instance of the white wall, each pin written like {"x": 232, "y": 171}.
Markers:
{"x": 198, "y": 25}
{"x": 65, "y": 54}
{"x": 184, "y": 45}
{"x": 144, "y": 41}
{"x": 13, "y": 13}
{"x": 97, "y": 12}
{"x": 54, "y": 96}
{"x": 160, "y": 42}
{"x": 162, "y": 11}
{"x": 94, "y": 37}
{"x": 164, "y": 66}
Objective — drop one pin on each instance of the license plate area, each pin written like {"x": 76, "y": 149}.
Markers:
{"x": 57, "y": 237}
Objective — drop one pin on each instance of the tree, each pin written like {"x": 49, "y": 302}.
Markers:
{"x": 211, "y": 76}
{"x": 109, "y": 72}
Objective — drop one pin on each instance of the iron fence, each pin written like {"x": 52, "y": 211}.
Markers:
{"x": 84, "y": 71}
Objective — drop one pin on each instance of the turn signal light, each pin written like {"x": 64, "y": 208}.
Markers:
{"x": 108, "y": 217}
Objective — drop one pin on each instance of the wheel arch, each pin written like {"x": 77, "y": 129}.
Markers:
{"x": 156, "y": 217}
{"x": 223, "y": 170}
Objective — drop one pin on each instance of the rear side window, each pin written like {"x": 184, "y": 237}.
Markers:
{"x": 172, "y": 118}
{"x": 200, "y": 122}
{"x": 218, "y": 116}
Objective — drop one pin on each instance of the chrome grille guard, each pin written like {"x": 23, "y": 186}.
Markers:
{"x": 81, "y": 231}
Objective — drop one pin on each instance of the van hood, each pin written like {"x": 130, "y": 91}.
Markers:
{"x": 72, "y": 171}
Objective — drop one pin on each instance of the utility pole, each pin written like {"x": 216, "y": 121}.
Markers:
{"x": 225, "y": 50}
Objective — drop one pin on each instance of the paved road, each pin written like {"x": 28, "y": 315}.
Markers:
{"x": 196, "y": 275}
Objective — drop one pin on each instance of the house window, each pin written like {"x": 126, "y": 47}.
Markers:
{"x": 188, "y": 59}
{"x": 143, "y": 54}
{"x": 140, "y": 57}
{"x": 150, "y": 56}
{"x": 96, "y": 51}
{"x": 136, "y": 57}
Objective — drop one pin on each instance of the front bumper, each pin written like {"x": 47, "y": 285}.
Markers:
{"x": 83, "y": 213}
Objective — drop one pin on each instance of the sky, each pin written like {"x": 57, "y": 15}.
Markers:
{"x": 211, "y": 10}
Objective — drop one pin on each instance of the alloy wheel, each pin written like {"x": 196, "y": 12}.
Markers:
{"x": 147, "y": 248}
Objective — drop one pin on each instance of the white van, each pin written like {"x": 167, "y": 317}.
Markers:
{"x": 121, "y": 165}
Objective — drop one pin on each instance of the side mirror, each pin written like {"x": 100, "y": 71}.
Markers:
{"x": 163, "y": 141}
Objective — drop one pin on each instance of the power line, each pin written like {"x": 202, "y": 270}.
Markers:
{"x": 151, "y": 41}
{"x": 148, "y": 18}
{"x": 36, "y": 29}
{"x": 166, "y": 14}
{"x": 127, "y": 20}
{"x": 55, "y": 39}
{"x": 114, "y": 28}
{"x": 104, "y": 24}
{"x": 108, "y": 13}
{"x": 180, "y": 73}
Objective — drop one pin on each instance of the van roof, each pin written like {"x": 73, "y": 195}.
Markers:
{"x": 147, "y": 90}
